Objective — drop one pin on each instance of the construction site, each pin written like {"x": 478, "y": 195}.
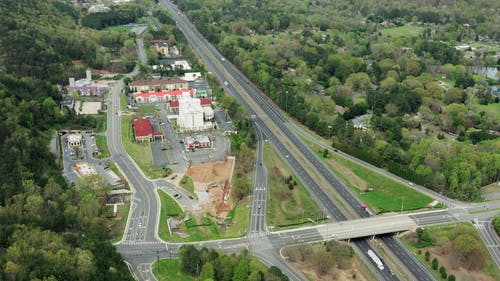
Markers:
{"x": 212, "y": 185}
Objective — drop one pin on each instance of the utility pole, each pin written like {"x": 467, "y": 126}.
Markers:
{"x": 158, "y": 258}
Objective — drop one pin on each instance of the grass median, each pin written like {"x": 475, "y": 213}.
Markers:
{"x": 139, "y": 151}
{"x": 290, "y": 205}
{"x": 378, "y": 191}
{"x": 102, "y": 145}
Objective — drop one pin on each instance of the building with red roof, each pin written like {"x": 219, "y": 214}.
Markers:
{"x": 163, "y": 96}
{"x": 173, "y": 106}
{"x": 143, "y": 131}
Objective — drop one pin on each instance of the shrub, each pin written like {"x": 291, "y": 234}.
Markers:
{"x": 427, "y": 256}
{"x": 435, "y": 264}
{"x": 443, "y": 273}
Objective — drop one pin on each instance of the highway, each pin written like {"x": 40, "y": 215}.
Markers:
{"x": 272, "y": 122}
{"x": 141, "y": 246}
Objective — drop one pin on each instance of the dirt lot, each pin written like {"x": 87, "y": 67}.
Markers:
{"x": 213, "y": 178}
{"x": 338, "y": 265}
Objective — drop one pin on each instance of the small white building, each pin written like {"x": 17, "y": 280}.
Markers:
{"x": 74, "y": 140}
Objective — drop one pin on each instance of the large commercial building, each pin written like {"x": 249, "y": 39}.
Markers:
{"x": 162, "y": 96}
{"x": 159, "y": 85}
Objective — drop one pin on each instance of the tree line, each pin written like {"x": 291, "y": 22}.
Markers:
{"x": 49, "y": 230}
{"x": 326, "y": 69}
{"x": 207, "y": 264}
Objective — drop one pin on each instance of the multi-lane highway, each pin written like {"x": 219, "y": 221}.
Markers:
{"x": 141, "y": 246}
{"x": 321, "y": 182}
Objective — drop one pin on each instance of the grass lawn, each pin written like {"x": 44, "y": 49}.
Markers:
{"x": 400, "y": 31}
{"x": 201, "y": 227}
{"x": 118, "y": 28}
{"x": 170, "y": 270}
{"x": 442, "y": 235}
{"x": 492, "y": 109}
{"x": 117, "y": 224}
{"x": 140, "y": 152}
{"x": 187, "y": 183}
{"x": 388, "y": 195}
{"x": 102, "y": 146}
{"x": 287, "y": 207}
{"x": 123, "y": 102}
{"x": 147, "y": 109}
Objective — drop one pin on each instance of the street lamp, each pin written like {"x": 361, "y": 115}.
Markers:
{"x": 286, "y": 101}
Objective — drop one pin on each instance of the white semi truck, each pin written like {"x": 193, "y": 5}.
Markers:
{"x": 376, "y": 259}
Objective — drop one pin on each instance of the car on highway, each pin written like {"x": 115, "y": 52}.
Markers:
{"x": 225, "y": 83}
{"x": 163, "y": 148}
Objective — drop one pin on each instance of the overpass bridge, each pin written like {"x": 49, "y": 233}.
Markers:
{"x": 368, "y": 227}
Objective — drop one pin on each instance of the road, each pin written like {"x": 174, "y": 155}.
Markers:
{"x": 259, "y": 195}
{"x": 141, "y": 247}
{"x": 320, "y": 181}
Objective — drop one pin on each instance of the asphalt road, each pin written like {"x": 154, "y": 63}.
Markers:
{"x": 259, "y": 196}
{"x": 268, "y": 115}
{"x": 141, "y": 247}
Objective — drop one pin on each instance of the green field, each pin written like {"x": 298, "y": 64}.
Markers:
{"x": 102, "y": 146}
{"x": 442, "y": 235}
{"x": 140, "y": 152}
{"x": 187, "y": 183}
{"x": 170, "y": 270}
{"x": 400, "y": 31}
{"x": 387, "y": 195}
{"x": 201, "y": 227}
{"x": 287, "y": 207}
{"x": 117, "y": 224}
{"x": 123, "y": 102}
{"x": 118, "y": 28}
{"x": 492, "y": 109}
{"x": 147, "y": 109}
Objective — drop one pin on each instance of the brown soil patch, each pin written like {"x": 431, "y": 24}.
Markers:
{"x": 213, "y": 178}
{"x": 356, "y": 271}
{"x": 209, "y": 172}
{"x": 353, "y": 178}
{"x": 445, "y": 257}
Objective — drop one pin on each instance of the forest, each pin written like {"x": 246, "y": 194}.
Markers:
{"x": 389, "y": 84}
{"x": 49, "y": 230}
{"x": 208, "y": 264}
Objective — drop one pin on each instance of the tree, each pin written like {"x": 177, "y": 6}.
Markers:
{"x": 427, "y": 255}
{"x": 190, "y": 260}
{"x": 435, "y": 264}
{"x": 451, "y": 277}
{"x": 496, "y": 224}
{"x": 464, "y": 244}
{"x": 241, "y": 271}
{"x": 207, "y": 271}
{"x": 442, "y": 271}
